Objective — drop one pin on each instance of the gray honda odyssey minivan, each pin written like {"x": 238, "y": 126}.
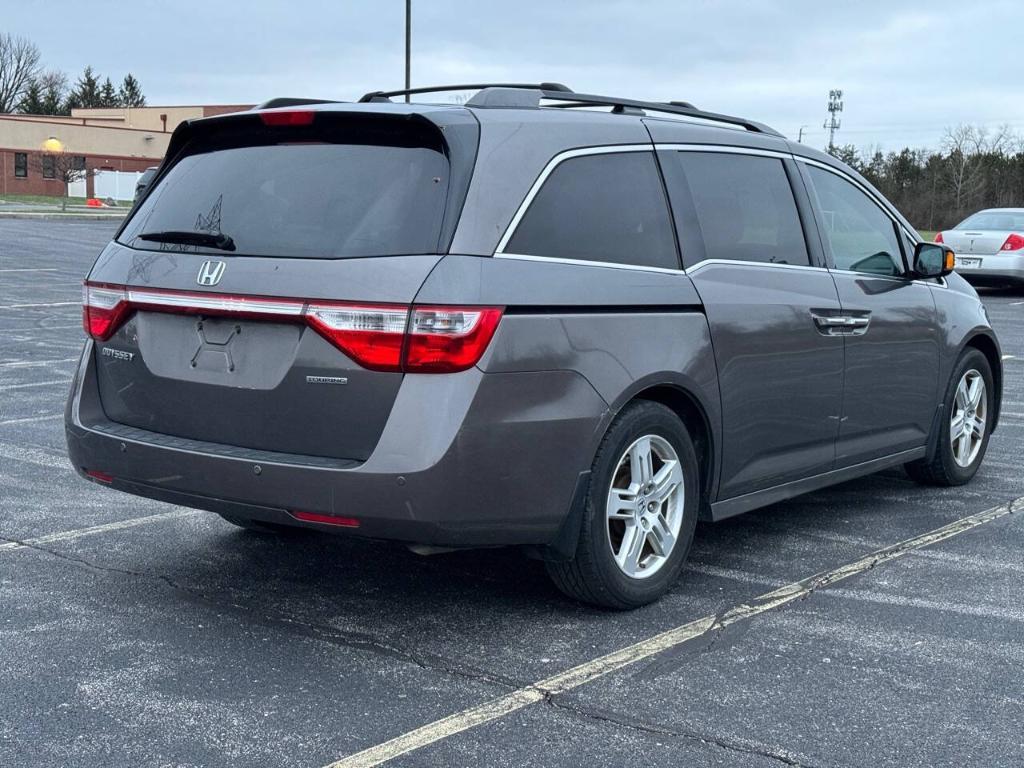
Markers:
{"x": 570, "y": 323}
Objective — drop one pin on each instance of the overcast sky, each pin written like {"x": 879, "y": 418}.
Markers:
{"x": 908, "y": 68}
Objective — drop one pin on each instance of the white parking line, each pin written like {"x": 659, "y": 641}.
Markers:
{"x": 617, "y": 660}
{"x": 37, "y": 363}
{"x": 78, "y": 533}
{"x": 31, "y": 269}
{"x": 51, "y": 304}
{"x": 30, "y": 419}
{"x": 33, "y": 456}
{"x": 49, "y": 383}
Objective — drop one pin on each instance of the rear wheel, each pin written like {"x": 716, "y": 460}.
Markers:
{"x": 965, "y": 425}
{"x": 640, "y": 514}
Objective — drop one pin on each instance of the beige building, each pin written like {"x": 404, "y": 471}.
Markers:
{"x": 115, "y": 139}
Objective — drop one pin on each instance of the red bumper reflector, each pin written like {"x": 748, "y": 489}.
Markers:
{"x": 101, "y": 477}
{"x": 313, "y": 517}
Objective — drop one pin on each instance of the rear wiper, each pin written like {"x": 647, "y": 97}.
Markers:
{"x": 209, "y": 239}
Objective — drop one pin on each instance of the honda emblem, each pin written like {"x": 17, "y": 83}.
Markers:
{"x": 210, "y": 273}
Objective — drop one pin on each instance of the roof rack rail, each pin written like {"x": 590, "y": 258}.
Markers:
{"x": 386, "y": 95}
{"x": 530, "y": 95}
{"x": 291, "y": 101}
{"x": 683, "y": 108}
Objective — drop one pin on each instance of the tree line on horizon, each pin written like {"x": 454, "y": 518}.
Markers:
{"x": 27, "y": 87}
{"x": 973, "y": 169}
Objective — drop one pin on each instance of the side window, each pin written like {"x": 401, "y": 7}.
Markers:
{"x": 21, "y": 165}
{"x": 607, "y": 207}
{"x": 745, "y": 207}
{"x": 861, "y": 235}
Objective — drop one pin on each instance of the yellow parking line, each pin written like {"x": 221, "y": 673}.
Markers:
{"x": 617, "y": 660}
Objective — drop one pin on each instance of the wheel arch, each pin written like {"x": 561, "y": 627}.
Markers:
{"x": 682, "y": 401}
{"x": 699, "y": 414}
{"x": 985, "y": 342}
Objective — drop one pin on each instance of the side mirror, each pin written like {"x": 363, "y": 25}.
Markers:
{"x": 933, "y": 260}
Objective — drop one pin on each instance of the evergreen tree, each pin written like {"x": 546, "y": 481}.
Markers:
{"x": 32, "y": 102}
{"x": 130, "y": 94}
{"x": 108, "y": 96}
{"x": 86, "y": 92}
{"x": 54, "y": 100}
{"x": 45, "y": 95}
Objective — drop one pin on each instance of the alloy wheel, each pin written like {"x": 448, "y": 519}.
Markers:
{"x": 969, "y": 418}
{"x": 645, "y": 506}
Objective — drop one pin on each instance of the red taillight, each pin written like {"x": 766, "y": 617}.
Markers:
{"x": 103, "y": 310}
{"x": 372, "y": 336}
{"x": 313, "y": 517}
{"x": 449, "y": 339}
{"x": 290, "y": 117}
{"x": 1013, "y": 243}
{"x": 101, "y": 477}
{"x": 938, "y": 237}
{"x": 420, "y": 339}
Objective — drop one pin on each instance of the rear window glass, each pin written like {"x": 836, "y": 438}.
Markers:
{"x": 998, "y": 220}
{"x": 312, "y": 200}
{"x": 608, "y": 207}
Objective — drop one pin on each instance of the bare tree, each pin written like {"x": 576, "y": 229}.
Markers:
{"x": 19, "y": 66}
{"x": 63, "y": 167}
{"x": 967, "y": 146}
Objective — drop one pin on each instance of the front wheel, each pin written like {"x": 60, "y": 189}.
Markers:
{"x": 640, "y": 515}
{"x": 965, "y": 426}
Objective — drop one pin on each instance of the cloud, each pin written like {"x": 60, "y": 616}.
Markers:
{"x": 908, "y": 69}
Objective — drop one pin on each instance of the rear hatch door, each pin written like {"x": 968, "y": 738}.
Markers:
{"x": 247, "y": 230}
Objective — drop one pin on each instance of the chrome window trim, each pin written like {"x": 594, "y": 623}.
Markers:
{"x": 587, "y": 263}
{"x": 741, "y": 263}
{"x": 554, "y": 162}
{"x": 722, "y": 149}
{"x": 917, "y": 281}
{"x": 608, "y": 149}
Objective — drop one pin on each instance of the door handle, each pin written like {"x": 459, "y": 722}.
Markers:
{"x": 842, "y": 325}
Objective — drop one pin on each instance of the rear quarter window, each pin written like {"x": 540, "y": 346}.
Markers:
{"x": 309, "y": 199}
{"x": 608, "y": 208}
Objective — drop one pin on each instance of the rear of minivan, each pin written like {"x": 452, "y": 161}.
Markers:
{"x": 257, "y": 349}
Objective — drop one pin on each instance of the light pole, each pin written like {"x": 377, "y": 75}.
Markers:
{"x": 800, "y": 136}
{"x": 408, "y": 47}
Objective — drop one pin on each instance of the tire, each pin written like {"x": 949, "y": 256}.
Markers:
{"x": 944, "y": 468}
{"x": 593, "y": 575}
{"x": 258, "y": 526}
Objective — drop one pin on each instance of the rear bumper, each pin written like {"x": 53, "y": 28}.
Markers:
{"x": 465, "y": 460}
{"x": 994, "y": 268}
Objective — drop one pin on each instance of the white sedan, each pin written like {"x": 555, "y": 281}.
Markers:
{"x": 989, "y": 246}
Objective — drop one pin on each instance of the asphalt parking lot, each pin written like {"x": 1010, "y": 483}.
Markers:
{"x": 136, "y": 633}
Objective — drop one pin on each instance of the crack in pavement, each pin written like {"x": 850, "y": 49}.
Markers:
{"x": 315, "y": 630}
{"x": 625, "y": 721}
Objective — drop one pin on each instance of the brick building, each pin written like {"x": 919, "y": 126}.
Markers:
{"x": 116, "y": 139}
